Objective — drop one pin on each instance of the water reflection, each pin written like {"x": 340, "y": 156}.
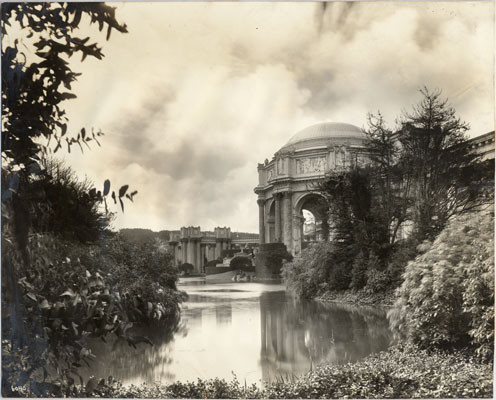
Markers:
{"x": 298, "y": 335}
{"x": 255, "y": 331}
{"x": 145, "y": 363}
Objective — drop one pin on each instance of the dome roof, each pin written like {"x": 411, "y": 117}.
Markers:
{"x": 324, "y": 131}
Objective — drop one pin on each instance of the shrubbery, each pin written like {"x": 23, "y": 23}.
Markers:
{"x": 213, "y": 263}
{"x": 228, "y": 253}
{"x": 324, "y": 267}
{"x": 307, "y": 275}
{"x": 270, "y": 257}
{"x": 397, "y": 373}
{"x": 240, "y": 262}
{"x": 70, "y": 290}
{"x": 403, "y": 252}
{"x": 186, "y": 268}
{"x": 144, "y": 274}
{"x": 447, "y": 297}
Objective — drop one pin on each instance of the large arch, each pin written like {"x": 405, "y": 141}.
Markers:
{"x": 316, "y": 204}
{"x": 287, "y": 183}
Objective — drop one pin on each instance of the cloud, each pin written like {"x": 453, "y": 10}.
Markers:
{"x": 198, "y": 93}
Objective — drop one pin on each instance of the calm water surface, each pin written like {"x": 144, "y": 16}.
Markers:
{"x": 256, "y": 331}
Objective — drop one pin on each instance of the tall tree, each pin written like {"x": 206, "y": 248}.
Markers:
{"x": 391, "y": 185}
{"x": 40, "y": 286}
{"x": 447, "y": 177}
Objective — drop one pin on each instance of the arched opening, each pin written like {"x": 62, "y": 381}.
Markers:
{"x": 314, "y": 226}
{"x": 310, "y": 230}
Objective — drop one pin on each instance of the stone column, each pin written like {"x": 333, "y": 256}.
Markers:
{"x": 191, "y": 253}
{"x": 278, "y": 218}
{"x": 261, "y": 222}
{"x": 183, "y": 249}
{"x": 217, "y": 248}
{"x": 203, "y": 251}
{"x": 288, "y": 221}
{"x": 199, "y": 259}
{"x": 297, "y": 234}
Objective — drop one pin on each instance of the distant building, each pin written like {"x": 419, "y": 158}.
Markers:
{"x": 194, "y": 246}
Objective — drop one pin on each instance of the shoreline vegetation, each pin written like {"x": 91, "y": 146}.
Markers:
{"x": 359, "y": 298}
{"x": 400, "y": 372}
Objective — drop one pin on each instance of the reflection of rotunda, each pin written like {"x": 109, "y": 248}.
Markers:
{"x": 287, "y": 184}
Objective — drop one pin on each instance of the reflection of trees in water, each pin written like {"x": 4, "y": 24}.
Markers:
{"x": 298, "y": 334}
{"x": 222, "y": 307}
{"x": 146, "y": 363}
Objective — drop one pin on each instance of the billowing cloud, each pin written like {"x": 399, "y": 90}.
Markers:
{"x": 196, "y": 94}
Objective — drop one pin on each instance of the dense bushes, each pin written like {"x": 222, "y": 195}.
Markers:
{"x": 327, "y": 267}
{"x": 397, "y": 373}
{"x": 447, "y": 298}
{"x": 270, "y": 257}
{"x": 186, "y": 268}
{"x": 240, "y": 262}
{"x": 143, "y": 274}
{"x": 58, "y": 301}
{"x": 213, "y": 263}
{"x": 70, "y": 290}
{"x": 307, "y": 275}
{"x": 228, "y": 253}
{"x": 58, "y": 201}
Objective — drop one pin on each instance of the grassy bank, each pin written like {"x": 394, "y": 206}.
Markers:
{"x": 396, "y": 373}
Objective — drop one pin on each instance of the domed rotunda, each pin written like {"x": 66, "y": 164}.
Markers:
{"x": 324, "y": 133}
{"x": 286, "y": 184}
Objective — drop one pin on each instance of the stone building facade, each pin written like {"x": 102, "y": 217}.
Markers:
{"x": 483, "y": 145}
{"x": 287, "y": 183}
{"x": 194, "y": 246}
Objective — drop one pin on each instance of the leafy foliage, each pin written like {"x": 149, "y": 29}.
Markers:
{"x": 396, "y": 373}
{"x": 240, "y": 262}
{"x": 307, "y": 275}
{"x": 271, "y": 256}
{"x": 70, "y": 291}
{"x": 33, "y": 87}
{"x": 145, "y": 277}
{"x": 55, "y": 293}
{"x": 447, "y": 297}
{"x": 56, "y": 201}
{"x": 416, "y": 180}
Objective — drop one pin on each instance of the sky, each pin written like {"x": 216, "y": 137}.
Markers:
{"x": 196, "y": 94}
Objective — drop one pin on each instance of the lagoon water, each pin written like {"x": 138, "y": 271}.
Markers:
{"x": 255, "y": 331}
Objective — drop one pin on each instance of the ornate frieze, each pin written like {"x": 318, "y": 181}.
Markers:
{"x": 311, "y": 165}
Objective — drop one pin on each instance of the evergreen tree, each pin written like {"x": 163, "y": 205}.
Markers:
{"x": 447, "y": 178}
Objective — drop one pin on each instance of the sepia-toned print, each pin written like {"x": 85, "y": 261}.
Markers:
{"x": 248, "y": 199}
